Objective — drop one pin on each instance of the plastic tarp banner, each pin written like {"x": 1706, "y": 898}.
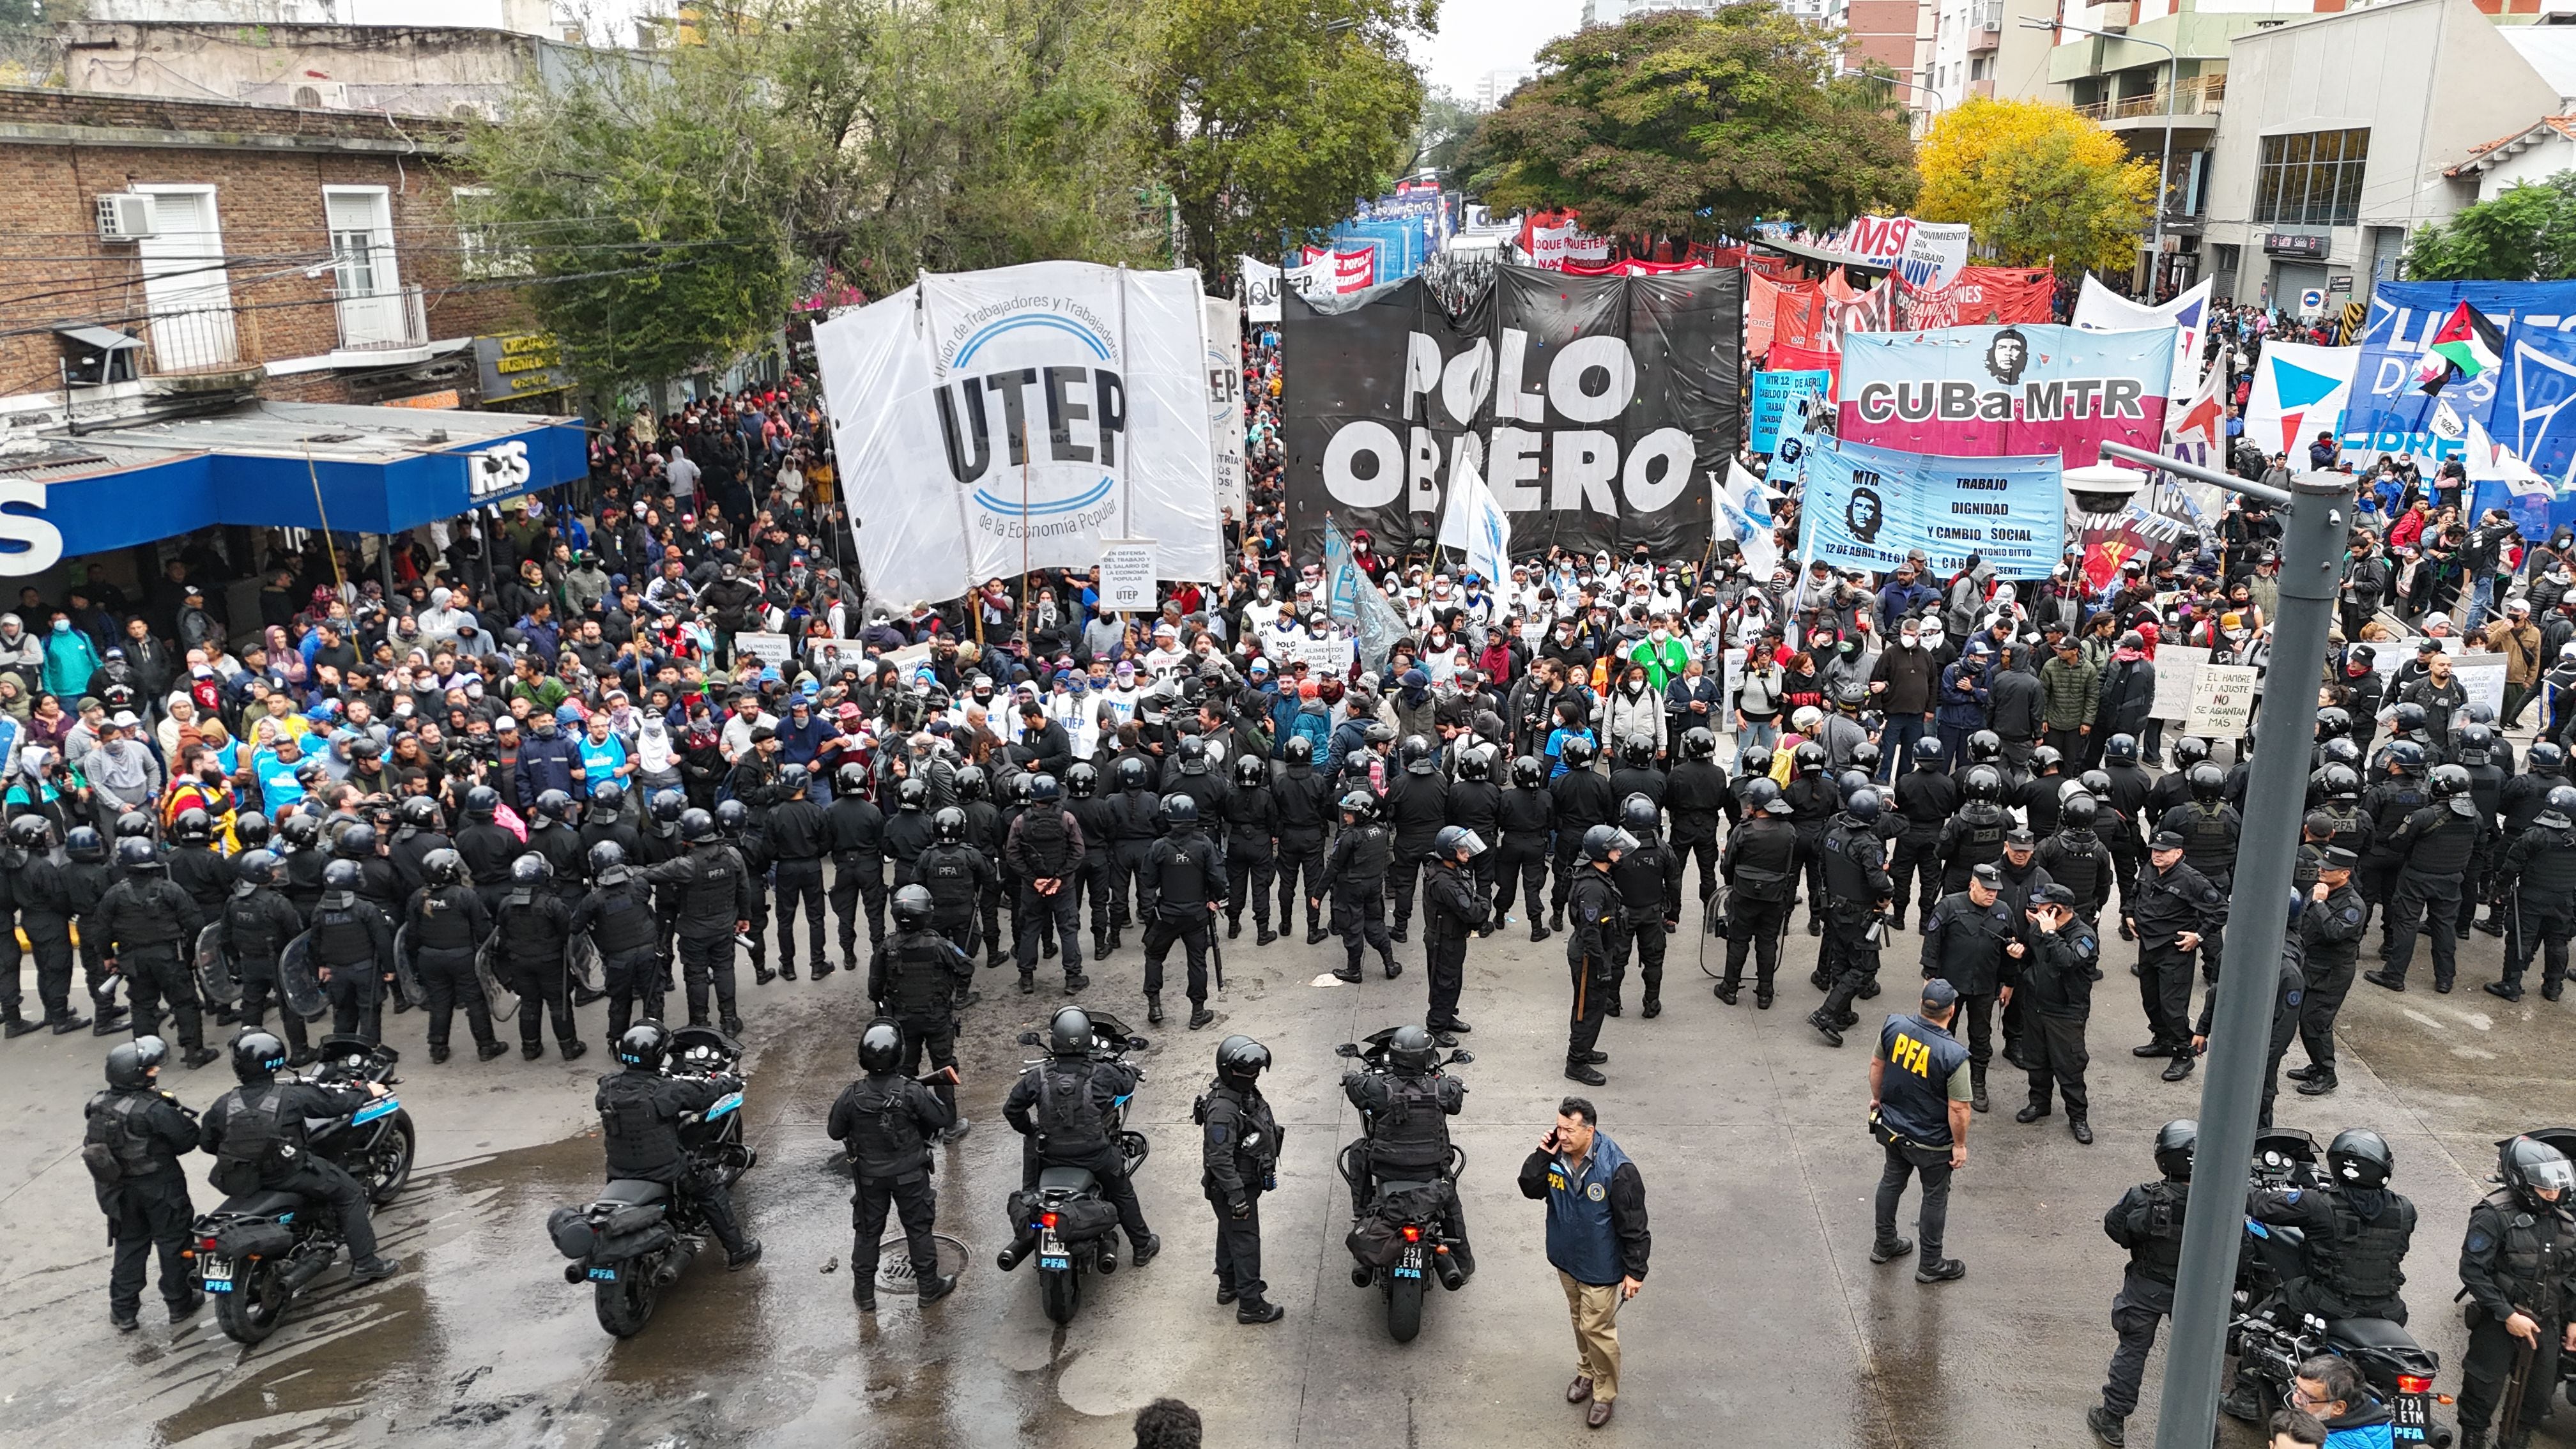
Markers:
{"x": 1866, "y": 508}
{"x": 2099, "y": 309}
{"x": 1983, "y": 392}
{"x": 1261, "y": 286}
{"x": 993, "y": 422}
{"x": 1600, "y": 410}
{"x": 2389, "y": 413}
{"x": 1994, "y": 296}
{"x": 1224, "y": 328}
{"x": 2299, "y": 391}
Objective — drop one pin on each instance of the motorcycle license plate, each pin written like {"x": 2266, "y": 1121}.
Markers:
{"x": 603, "y": 1275}
{"x": 2412, "y": 1419}
{"x": 218, "y": 1274}
{"x": 1411, "y": 1267}
{"x": 1051, "y": 1253}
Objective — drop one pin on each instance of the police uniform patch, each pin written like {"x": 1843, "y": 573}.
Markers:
{"x": 2290, "y": 998}
{"x": 2478, "y": 1241}
{"x": 1595, "y": 1192}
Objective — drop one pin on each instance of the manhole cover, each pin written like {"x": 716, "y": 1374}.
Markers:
{"x": 894, "y": 1261}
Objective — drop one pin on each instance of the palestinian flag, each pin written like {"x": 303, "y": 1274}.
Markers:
{"x": 2466, "y": 346}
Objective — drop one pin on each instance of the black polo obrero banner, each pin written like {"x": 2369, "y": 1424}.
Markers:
{"x": 1599, "y": 410}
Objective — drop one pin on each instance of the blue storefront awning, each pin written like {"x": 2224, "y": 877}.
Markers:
{"x": 273, "y": 465}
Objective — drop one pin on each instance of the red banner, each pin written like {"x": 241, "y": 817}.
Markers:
{"x": 1982, "y": 296}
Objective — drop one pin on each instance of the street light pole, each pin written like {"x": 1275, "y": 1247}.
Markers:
{"x": 2164, "y": 165}
{"x": 2231, "y": 1093}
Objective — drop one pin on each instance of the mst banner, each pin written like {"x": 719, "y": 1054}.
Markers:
{"x": 993, "y": 422}
{"x": 1868, "y": 507}
{"x": 1981, "y": 392}
{"x": 1600, "y": 410}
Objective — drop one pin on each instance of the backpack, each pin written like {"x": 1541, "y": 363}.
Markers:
{"x": 262, "y": 1145}
{"x": 118, "y": 1146}
{"x": 1068, "y": 1120}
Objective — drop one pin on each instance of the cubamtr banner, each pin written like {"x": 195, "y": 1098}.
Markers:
{"x": 1599, "y": 410}
{"x": 993, "y": 422}
{"x": 1986, "y": 392}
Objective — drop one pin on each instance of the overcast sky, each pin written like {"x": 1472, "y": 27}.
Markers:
{"x": 1481, "y": 35}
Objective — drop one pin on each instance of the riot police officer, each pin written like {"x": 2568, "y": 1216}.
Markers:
{"x": 1761, "y": 871}
{"x": 2057, "y": 997}
{"x": 1926, "y": 798}
{"x": 2538, "y": 881}
{"x": 257, "y": 925}
{"x": 193, "y": 864}
{"x": 486, "y": 846}
{"x": 618, "y": 917}
{"x": 1071, "y": 1094}
{"x": 1857, "y": 889}
{"x": 255, "y": 1133}
{"x": 858, "y": 860}
{"x": 2170, "y": 912}
{"x": 2358, "y": 1229}
{"x": 2518, "y": 1271}
{"x": 1592, "y": 949}
{"x": 147, "y": 931}
{"x": 1251, "y": 825}
{"x": 1238, "y": 1162}
{"x": 887, "y": 1122}
{"x": 639, "y": 1122}
{"x": 1407, "y": 1110}
{"x": 1975, "y": 835}
{"x": 1301, "y": 816}
{"x": 535, "y": 938}
{"x": 2076, "y": 858}
{"x": 913, "y": 977}
{"x": 1355, "y": 877}
{"x": 715, "y": 902}
{"x": 2147, "y": 1220}
{"x": 136, "y": 1135}
{"x": 798, "y": 835}
{"x": 1649, "y": 878}
{"x": 2433, "y": 846}
{"x": 2387, "y": 805}
{"x": 1047, "y": 850}
{"x": 2330, "y": 930}
{"x": 1454, "y": 906}
{"x": 416, "y": 838}
{"x": 1583, "y": 799}
{"x": 1527, "y": 820}
{"x": 1136, "y": 822}
{"x": 1415, "y": 808}
{"x": 1696, "y": 798}
{"x": 444, "y": 926}
{"x": 955, "y": 873}
{"x": 1189, "y": 888}
{"x": 2290, "y": 986}
{"x": 2210, "y": 828}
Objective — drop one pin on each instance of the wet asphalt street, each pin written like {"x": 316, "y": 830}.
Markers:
{"x": 1763, "y": 1321}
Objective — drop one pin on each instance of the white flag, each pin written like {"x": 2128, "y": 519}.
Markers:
{"x": 2446, "y": 423}
{"x": 2488, "y": 462}
{"x": 1475, "y": 524}
{"x": 1744, "y": 514}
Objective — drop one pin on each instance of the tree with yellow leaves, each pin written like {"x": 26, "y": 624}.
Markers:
{"x": 2038, "y": 184}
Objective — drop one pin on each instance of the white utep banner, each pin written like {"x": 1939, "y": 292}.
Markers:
{"x": 993, "y": 422}
{"x": 1261, "y": 284}
{"x": 1225, "y": 396}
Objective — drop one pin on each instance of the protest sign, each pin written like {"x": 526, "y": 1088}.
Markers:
{"x": 1127, "y": 578}
{"x": 2222, "y": 700}
{"x": 1772, "y": 392}
{"x": 771, "y": 649}
{"x": 2177, "y": 672}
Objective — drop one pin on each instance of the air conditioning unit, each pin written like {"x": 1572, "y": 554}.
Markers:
{"x": 124, "y": 216}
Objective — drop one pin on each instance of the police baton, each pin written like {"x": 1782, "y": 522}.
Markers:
{"x": 1216, "y": 948}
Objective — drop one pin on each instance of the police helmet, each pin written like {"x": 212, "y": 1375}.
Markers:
{"x": 355, "y": 842}
{"x": 1601, "y": 841}
{"x": 1132, "y": 774}
{"x": 300, "y": 831}
{"x": 2561, "y": 801}
{"x": 1411, "y": 1049}
{"x": 732, "y": 816}
{"x": 2176, "y": 1141}
{"x": 1251, "y": 770}
{"x": 1639, "y": 816}
{"x": 2545, "y": 758}
{"x": 2531, "y": 1167}
{"x": 1984, "y": 782}
{"x": 1240, "y": 1060}
{"x": 1636, "y": 752}
{"x": 1985, "y": 746}
{"x": 1928, "y": 754}
{"x": 1455, "y": 838}
{"x": 2333, "y": 723}
{"x": 256, "y": 867}
{"x": 1082, "y": 782}
{"x": 2359, "y": 1157}
{"x": 1193, "y": 755}
{"x": 1862, "y": 806}
{"x": 697, "y": 826}
{"x": 2479, "y": 712}
{"x": 1529, "y": 772}
{"x": 606, "y": 856}
{"x": 2474, "y": 744}
{"x": 531, "y": 869}
{"x": 610, "y": 798}
{"x": 1299, "y": 751}
{"x": 2188, "y": 751}
{"x": 2078, "y": 812}
{"x": 948, "y": 826}
{"x": 644, "y": 1045}
{"x": 1753, "y": 760}
{"x": 880, "y": 1047}
{"x": 2449, "y": 781}
{"x": 31, "y": 832}
{"x": 850, "y": 779}
{"x": 792, "y": 780}
{"x": 1760, "y": 793}
{"x": 1475, "y": 765}
{"x": 2341, "y": 752}
{"x": 193, "y": 827}
{"x": 1848, "y": 781}
{"x": 2121, "y": 749}
{"x": 554, "y": 805}
{"x": 972, "y": 783}
{"x": 2208, "y": 782}
{"x": 137, "y": 853}
{"x": 2045, "y": 759}
{"x": 911, "y": 793}
{"x": 1042, "y": 789}
{"x": 1069, "y": 1034}
{"x": 1810, "y": 758}
{"x": 1359, "y": 804}
{"x": 2338, "y": 781}
{"x": 2096, "y": 783}
{"x": 250, "y": 829}
{"x": 442, "y": 867}
{"x": 84, "y": 845}
{"x": 258, "y": 1055}
{"x": 1698, "y": 743}
{"x": 420, "y": 812}
{"x": 1179, "y": 809}
{"x": 133, "y": 823}
{"x": 482, "y": 802}
{"x": 130, "y": 1063}
{"x": 1577, "y": 752}
{"x": 2410, "y": 717}
{"x": 1865, "y": 757}
{"x": 912, "y": 908}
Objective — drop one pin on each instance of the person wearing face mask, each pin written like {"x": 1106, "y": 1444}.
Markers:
{"x": 1902, "y": 685}
{"x": 70, "y": 659}
{"x": 1664, "y": 656}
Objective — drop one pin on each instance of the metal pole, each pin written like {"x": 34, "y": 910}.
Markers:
{"x": 2164, "y": 169}
{"x": 2231, "y": 1089}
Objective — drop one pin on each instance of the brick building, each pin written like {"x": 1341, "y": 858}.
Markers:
{"x": 169, "y": 257}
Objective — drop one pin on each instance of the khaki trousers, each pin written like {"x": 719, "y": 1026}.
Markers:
{"x": 1595, "y": 1311}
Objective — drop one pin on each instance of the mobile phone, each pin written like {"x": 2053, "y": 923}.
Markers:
{"x": 1550, "y": 1144}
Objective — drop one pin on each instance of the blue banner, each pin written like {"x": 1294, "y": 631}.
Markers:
{"x": 1866, "y": 508}
{"x": 2389, "y": 413}
{"x": 1771, "y": 394}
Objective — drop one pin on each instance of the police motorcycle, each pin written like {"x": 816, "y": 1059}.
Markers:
{"x": 2270, "y": 1347}
{"x": 1401, "y": 1231}
{"x": 1067, "y": 1224}
{"x": 636, "y": 1238}
{"x": 257, "y": 1250}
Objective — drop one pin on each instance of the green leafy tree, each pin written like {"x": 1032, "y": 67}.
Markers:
{"x": 1442, "y": 133}
{"x": 1677, "y": 124}
{"x": 1264, "y": 118}
{"x": 2525, "y": 233}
